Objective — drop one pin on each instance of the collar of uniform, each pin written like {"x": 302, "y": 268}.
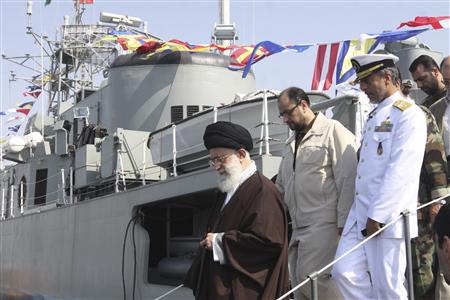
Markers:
{"x": 248, "y": 172}
{"x": 431, "y": 99}
{"x": 318, "y": 125}
{"x": 389, "y": 100}
{"x": 291, "y": 138}
{"x": 372, "y": 113}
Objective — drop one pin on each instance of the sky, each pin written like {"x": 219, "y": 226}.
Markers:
{"x": 283, "y": 22}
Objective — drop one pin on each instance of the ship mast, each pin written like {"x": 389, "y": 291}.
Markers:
{"x": 78, "y": 12}
{"x": 224, "y": 12}
{"x": 78, "y": 57}
{"x": 224, "y": 32}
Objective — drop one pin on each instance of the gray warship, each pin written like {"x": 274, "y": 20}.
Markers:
{"x": 109, "y": 192}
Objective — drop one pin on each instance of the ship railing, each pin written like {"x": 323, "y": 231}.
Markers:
{"x": 405, "y": 215}
{"x": 313, "y": 277}
{"x": 65, "y": 188}
{"x": 264, "y": 135}
{"x": 24, "y": 206}
{"x": 34, "y": 208}
{"x": 62, "y": 198}
{"x": 264, "y": 140}
{"x": 142, "y": 169}
{"x": 264, "y": 122}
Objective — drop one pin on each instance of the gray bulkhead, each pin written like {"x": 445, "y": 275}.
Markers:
{"x": 140, "y": 93}
{"x": 75, "y": 252}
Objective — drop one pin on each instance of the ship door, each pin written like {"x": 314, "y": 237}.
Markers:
{"x": 40, "y": 188}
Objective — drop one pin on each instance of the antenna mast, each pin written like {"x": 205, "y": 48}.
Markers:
{"x": 224, "y": 32}
{"x": 78, "y": 12}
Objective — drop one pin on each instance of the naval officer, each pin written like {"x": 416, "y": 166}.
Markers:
{"x": 387, "y": 182}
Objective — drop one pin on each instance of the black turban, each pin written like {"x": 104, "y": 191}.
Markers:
{"x": 227, "y": 135}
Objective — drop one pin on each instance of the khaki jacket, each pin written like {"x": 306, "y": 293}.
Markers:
{"x": 322, "y": 186}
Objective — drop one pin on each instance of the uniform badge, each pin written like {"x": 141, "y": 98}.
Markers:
{"x": 402, "y": 104}
{"x": 385, "y": 126}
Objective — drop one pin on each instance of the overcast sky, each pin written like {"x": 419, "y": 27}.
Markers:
{"x": 284, "y": 22}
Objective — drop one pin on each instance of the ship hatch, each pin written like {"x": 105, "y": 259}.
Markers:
{"x": 175, "y": 228}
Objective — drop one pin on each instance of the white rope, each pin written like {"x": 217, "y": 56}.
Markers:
{"x": 169, "y": 292}
{"x": 440, "y": 200}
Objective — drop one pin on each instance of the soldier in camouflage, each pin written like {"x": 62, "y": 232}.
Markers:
{"x": 428, "y": 77}
{"x": 433, "y": 184}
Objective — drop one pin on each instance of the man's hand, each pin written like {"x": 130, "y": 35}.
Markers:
{"x": 207, "y": 242}
{"x": 372, "y": 226}
{"x": 434, "y": 209}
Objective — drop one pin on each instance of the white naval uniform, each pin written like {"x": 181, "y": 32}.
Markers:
{"x": 387, "y": 182}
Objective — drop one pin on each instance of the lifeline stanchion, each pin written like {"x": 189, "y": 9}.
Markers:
{"x": 21, "y": 197}
{"x": 144, "y": 148}
{"x": 314, "y": 290}
{"x": 174, "y": 149}
{"x": 215, "y": 115}
{"x": 71, "y": 184}
{"x": 266, "y": 122}
{"x": 63, "y": 187}
{"x": 261, "y": 136}
{"x": 409, "y": 274}
{"x": 11, "y": 202}
{"x": 3, "y": 203}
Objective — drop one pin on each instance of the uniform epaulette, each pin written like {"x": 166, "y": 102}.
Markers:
{"x": 402, "y": 104}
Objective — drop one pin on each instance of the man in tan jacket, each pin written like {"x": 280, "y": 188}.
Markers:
{"x": 316, "y": 178}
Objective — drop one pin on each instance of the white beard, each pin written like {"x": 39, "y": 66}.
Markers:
{"x": 230, "y": 179}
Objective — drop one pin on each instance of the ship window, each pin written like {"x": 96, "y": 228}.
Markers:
{"x": 40, "y": 187}
{"x": 192, "y": 109}
{"x": 176, "y": 113}
{"x": 205, "y": 107}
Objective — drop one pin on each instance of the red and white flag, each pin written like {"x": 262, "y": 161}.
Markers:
{"x": 435, "y": 22}
{"x": 86, "y": 1}
{"x": 324, "y": 66}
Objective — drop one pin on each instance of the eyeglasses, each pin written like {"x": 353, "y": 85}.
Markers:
{"x": 219, "y": 159}
{"x": 288, "y": 112}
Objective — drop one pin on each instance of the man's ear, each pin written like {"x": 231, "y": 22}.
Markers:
{"x": 435, "y": 71}
{"x": 241, "y": 153}
{"x": 388, "y": 77}
{"x": 304, "y": 104}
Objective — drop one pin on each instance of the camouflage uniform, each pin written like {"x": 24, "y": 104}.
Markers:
{"x": 431, "y": 99}
{"x": 433, "y": 184}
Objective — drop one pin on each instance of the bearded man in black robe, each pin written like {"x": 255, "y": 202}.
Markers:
{"x": 244, "y": 254}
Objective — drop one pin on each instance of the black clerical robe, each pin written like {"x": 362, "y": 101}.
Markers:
{"x": 254, "y": 245}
